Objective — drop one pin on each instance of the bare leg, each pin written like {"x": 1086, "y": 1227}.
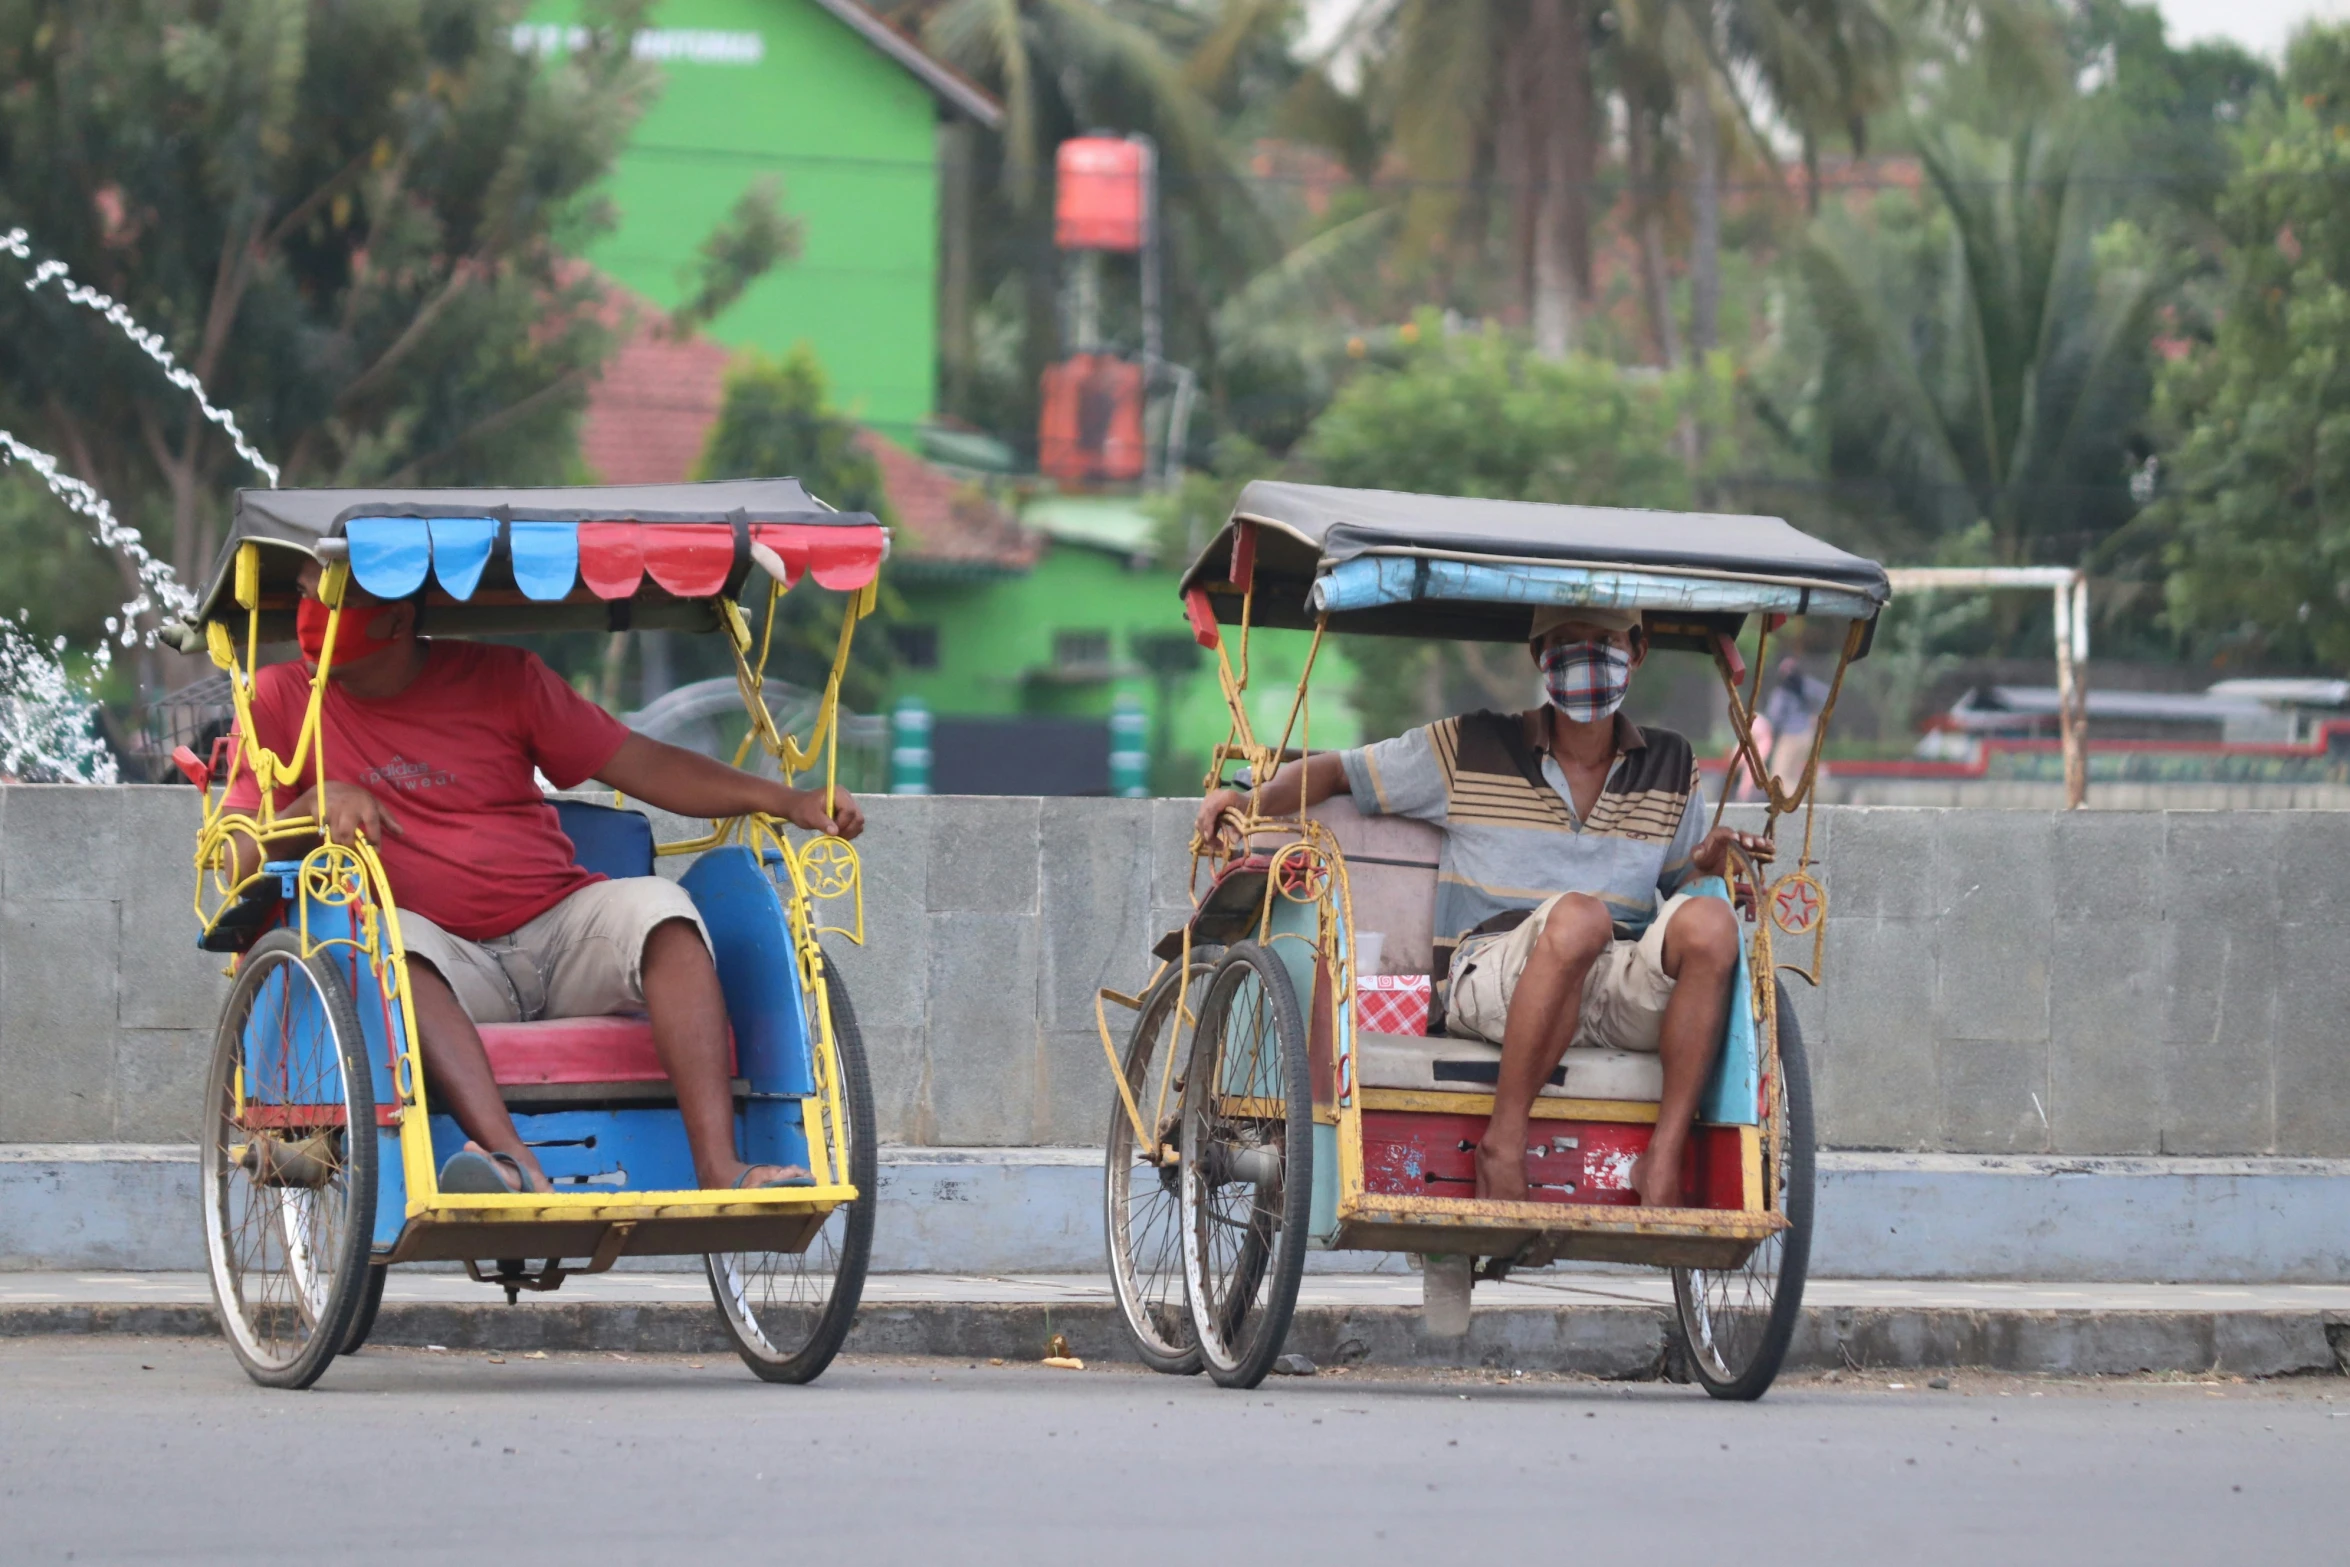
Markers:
{"x": 1701, "y": 956}
{"x": 1544, "y": 1011}
{"x": 689, "y": 1029}
{"x": 459, "y": 1070}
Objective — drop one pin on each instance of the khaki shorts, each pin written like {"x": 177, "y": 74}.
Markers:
{"x": 582, "y": 958}
{"x": 1624, "y": 995}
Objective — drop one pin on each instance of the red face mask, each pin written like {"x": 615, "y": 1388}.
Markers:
{"x": 352, "y": 641}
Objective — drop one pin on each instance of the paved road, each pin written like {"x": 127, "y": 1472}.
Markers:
{"x": 146, "y": 1450}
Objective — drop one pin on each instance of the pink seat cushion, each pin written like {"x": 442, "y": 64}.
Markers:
{"x": 576, "y": 1050}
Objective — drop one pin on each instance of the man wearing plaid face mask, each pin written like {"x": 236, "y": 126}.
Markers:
{"x": 1560, "y": 919}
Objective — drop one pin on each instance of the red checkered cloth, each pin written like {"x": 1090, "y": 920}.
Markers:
{"x": 1392, "y": 1003}
{"x": 1587, "y": 680}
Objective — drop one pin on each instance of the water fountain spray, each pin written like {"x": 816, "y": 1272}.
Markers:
{"x": 46, "y": 728}
{"x": 19, "y": 244}
{"x": 46, "y": 733}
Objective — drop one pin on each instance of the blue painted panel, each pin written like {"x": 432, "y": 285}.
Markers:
{"x": 756, "y": 968}
{"x": 289, "y": 1052}
{"x": 1322, "y": 1223}
{"x": 389, "y": 555}
{"x": 1369, "y": 581}
{"x": 379, "y": 1026}
{"x": 460, "y": 548}
{"x": 774, "y": 1133}
{"x": 607, "y": 839}
{"x": 1733, "y": 1095}
{"x": 546, "y": 558}
{"x": 640, "y": 1150}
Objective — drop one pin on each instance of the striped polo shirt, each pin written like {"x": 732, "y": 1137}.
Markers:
{"x": 1511, "y": 835}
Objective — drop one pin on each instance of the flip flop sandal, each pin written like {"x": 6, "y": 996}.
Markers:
{"x": 744, "y": 1182}
{"x": 471, "y": 1174}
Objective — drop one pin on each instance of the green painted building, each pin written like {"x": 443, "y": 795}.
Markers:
{"x": 1013, "y": 636}
{"x": 845, "y": 114}
{"x": 1093, "y": 622}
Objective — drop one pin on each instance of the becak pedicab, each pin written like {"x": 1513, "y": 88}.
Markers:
{"x": 322, "y": 1150}
{"x": 1288, "y": 1082}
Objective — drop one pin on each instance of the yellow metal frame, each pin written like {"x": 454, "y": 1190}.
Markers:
{"x": 1308, "y": 842}
{"x": 821, "y": 870}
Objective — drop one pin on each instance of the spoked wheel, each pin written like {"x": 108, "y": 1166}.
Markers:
{"x": 1143, "y": 1206}
{"x": 289, "y": 1164}
{"x": 789, "y": 1312}
{"x": 1738, "y": 1323}
{"x": 371, "y": 1301}
{"x": 1247, "y": 1177}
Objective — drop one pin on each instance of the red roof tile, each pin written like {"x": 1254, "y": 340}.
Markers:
{"x": 944, "y": 521}
{"x": 650, "y": 414}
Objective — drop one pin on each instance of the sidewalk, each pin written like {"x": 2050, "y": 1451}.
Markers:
{"x": 1603, "y": 1322}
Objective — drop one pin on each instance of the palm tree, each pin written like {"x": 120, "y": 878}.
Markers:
{"x": 1499, "y": 89}
{"x": 1700, "y": 67}
{"x": 1979, "y": 362}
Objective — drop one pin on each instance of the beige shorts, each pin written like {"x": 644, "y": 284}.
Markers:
{"x": 582, "y": 958}
{"x": 1624, "y": 995}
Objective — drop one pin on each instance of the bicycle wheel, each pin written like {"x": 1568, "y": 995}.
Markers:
{"x": 1737, "y": 1323}
{"x": 1143, "y": 1208}
{"x": 288, "y": 1164}
{"x": 1247, "y": 1177}
{"x": 788, "y": 1312}
{"x": 371, "y": 1301}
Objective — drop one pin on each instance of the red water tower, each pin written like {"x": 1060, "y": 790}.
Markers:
{"x": 1102, "y": 199}
{"x": 1090, "y": 423}
{"x": 1090, "y": 427}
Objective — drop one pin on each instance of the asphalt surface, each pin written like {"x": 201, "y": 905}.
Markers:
{"x": 131, "y": 1450}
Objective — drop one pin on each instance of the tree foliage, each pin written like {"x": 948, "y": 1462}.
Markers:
{"x": 1476, "y": 413}
{"x": 2258, "y": 481}
{"x": 777, "y": 421}
{"x": 350, "y": 221}
{"x": 1980, "y": 357}
{"x": 1482, "y": 414}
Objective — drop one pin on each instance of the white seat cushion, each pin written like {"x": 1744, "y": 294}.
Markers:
{"x": 1468, "y": 1066}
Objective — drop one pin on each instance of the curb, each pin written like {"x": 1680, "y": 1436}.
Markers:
{"x": 1622, "y": 1343}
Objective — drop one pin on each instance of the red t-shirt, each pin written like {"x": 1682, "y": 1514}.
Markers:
{"x": 451, "y": 757}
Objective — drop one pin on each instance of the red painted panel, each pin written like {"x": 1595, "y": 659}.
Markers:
{"x": 258, "y": 1117}
{"x": 1202, "y": 616}
{"x": 575, "y": 1050}
{"x": 1426, "y": 1154}
{"x": 845, "y": 559}
{"x": 611, "y": 558}
{"x": 1244, "y": 554}
{"x": 691, "y": 560}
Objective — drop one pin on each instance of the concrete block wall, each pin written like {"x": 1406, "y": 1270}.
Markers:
{"x": 2085, "y": 983}
{"x": 2000, "y": 982}
{"x": 106, "y": 1006}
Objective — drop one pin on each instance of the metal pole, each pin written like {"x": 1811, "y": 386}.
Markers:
{"x": 1153, "y": 329}
{"x": 2071, "y": 704}
{"x": 2080, "y": 619}
{"x": 1152, "y": 336}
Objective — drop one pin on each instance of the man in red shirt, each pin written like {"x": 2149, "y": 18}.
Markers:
{"x": 434, "y": 750}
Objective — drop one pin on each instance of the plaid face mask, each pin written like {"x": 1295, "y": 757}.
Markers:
{"x": 1587, "y": 680}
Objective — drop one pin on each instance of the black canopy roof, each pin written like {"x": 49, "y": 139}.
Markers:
{"x": 1306, "y": 530}
{"x": 296, "y": 519}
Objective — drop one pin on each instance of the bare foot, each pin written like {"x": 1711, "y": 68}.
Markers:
{"x": 532, "y": 1178}
{"x": 1501, "y": 1172}
{"x": 750, "y": 1177}
{"x": 1656, "y": 1184}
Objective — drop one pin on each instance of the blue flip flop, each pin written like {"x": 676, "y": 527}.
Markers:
{"x": 471, "y": 1174}
{"x": 780, "y": 1181}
